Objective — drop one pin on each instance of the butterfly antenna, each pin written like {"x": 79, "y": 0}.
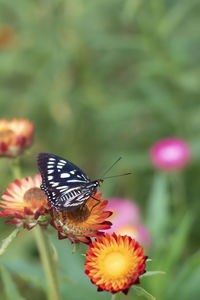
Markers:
{"x": 111, "y": 167}
{"x": 117, "y": 175}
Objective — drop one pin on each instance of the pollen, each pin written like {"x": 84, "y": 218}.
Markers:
{"x": 34, "y": 193}
{"x": 115, "y": 264}
{"x": 81, "y": 214}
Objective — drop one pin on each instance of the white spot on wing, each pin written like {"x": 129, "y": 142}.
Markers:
{"x": 54, "y": 184}
{"x": 61, "y": 164}
{"x": 50, "y": 177}
{"x": 64, "y": 175}
{"x": 75, "y": 180}
{"x": 60, "y": 167}
{"x": 50, "y": 171}
{"x": 63, "y": 190}
{"x": 62, "y": 187}
{"x": 62, "y": 161}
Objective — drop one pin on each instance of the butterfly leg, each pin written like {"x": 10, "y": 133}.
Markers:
{"x": 98, "y": 201}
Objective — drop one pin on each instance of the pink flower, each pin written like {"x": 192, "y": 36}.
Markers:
{"x": 170, "y": 154}
{"x": 126, "y": 219}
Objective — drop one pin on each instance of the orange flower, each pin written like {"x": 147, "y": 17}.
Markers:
{"x": 7, "y": 36}
{"x": 84, "y": 222}
{"x": 25, "y": 202}
{"x": 114, "y": 263}
{"x": 15, "y": 136}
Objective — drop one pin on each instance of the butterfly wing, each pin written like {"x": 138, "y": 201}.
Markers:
{"x": 65, "y": 185}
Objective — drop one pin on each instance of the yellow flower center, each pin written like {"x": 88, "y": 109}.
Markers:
{"x": 6, "y": 134}
{"x": 115, "y": 264}
{"x": 34, "y": 194}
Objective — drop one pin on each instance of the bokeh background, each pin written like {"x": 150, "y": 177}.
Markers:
{"x": 102, "y": 79}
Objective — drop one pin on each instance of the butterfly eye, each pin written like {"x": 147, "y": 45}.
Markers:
{"x": 100, "y": 182}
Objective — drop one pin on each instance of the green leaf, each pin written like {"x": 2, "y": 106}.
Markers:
{"x": 10, "y": 287}
{"x": 75, "y": 248}
{"x": 44, "y": 218}
{"x": 6, "y": 242}
{"x": 55, "y": 254}
{"x": 178, "y": 242}
{"x": 176, "y": 15}
{"x": 142, "y": 292}
{"x": 158, "y": 207}
{"x": 186, "y": 276}
{"x": 152, "y": 273}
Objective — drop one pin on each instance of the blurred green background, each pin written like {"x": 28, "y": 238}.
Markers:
{"x": 102, "y": 79}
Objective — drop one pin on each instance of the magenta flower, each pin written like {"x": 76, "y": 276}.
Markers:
{"x": 170, "y": 154}
{"x": 126, "y": 219}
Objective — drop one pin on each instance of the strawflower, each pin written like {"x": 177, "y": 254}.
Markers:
{"x": 170, "y": 154}
{"x": 114, "y": 263}
{"x": 15, "y": 136}
{"x": 25, "y": 202}
{"x": 7, "y": 37}
{"x": 83, "y": 223}
{"x": 126, "y": 220}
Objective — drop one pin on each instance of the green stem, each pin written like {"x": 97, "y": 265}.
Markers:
{"x": 16, "y": 169}
{"x": 6, "y": 242}
{"x": 178, "y": 194}
{"x": 114, "y": 296}
{"x": 47, "y": 262}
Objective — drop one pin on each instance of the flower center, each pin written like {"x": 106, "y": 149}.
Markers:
{"x": 34, "y": 194}
{"x": 115, "y": 264}
{"x": 6, "y": 134}
{"x": 79, "y": 215}
{"x": 171, "y": 153}
{"x": 6, "y": 36}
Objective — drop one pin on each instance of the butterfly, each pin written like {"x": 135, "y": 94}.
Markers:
{"x": 67, "y": 187}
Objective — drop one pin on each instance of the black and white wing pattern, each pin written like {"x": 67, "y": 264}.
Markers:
{"x": 67, "y": 187}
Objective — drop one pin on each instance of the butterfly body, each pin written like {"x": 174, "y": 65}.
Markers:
{"x": 67, "y": 187}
